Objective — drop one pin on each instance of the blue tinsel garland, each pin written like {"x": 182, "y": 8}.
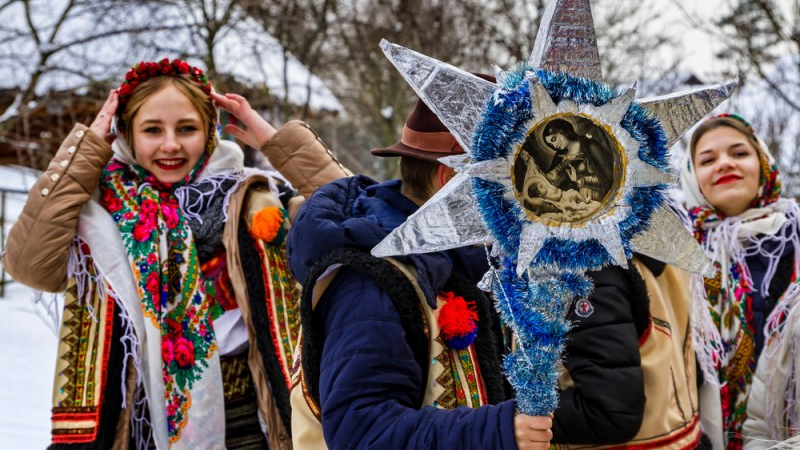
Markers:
{"x": 536, "y": 308}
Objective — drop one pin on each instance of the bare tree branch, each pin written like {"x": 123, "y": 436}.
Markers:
{"x": 7, "y": 4}
{"x": 31, "y": 26}
{"x": 110, "y": 33}
{"x": 60, "y": 21}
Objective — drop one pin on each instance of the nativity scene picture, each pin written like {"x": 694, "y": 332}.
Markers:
{"x": 564, "y": 171}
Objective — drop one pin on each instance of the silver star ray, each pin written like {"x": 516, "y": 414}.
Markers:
{"x": 458, "y": 98}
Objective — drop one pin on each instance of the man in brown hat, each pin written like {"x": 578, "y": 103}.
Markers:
{"x": 424, "y": 140}
{"x": 397, "y": 353}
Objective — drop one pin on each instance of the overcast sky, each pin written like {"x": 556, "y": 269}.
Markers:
{"x": 700, "y": 47}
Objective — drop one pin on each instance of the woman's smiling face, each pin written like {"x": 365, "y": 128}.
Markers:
{"x": 168, "y": 135}
{"x": 728, "y": 170}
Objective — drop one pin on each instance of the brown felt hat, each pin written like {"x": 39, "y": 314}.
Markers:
{"x": 424, "y": 136}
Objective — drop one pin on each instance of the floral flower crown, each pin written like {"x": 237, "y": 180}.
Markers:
{"x": 735, "y": 117}
{"x": 145, "y": 70}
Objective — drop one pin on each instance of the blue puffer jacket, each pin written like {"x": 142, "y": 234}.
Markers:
{"x": 370, "y": 383}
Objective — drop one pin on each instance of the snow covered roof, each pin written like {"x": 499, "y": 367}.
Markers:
{"x": 252, "y": 55}
{"x": 244, "y": 50}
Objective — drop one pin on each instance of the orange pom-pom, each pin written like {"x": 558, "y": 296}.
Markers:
{"x": 268, "y": 223}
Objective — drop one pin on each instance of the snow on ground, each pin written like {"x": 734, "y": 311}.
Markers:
{"x": 27, "y": 361}
{"x": 27, "y": 348}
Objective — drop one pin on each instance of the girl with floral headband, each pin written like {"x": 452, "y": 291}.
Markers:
{"x": 180, "y": 315}
{"x": 733, "y": 194}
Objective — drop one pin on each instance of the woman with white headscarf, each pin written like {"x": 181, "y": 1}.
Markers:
{"x": 733, "y": 195}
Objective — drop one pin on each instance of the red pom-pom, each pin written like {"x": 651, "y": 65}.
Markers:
{"x": 458, "y": 317}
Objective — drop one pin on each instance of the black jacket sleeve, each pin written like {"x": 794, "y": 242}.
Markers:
{"x": 606, "y": 403}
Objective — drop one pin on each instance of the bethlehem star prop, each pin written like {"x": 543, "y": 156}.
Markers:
{"x": 561, "y": 176}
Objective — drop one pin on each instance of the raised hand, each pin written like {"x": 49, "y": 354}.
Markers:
{"x": 258, "y": 131}
{"x": 101, "y": 126}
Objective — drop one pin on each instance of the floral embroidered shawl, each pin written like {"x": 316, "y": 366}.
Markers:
{"x": 173, "y": 293}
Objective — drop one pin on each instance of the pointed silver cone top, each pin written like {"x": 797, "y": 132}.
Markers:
{"x": 499, "y": 74}
{"x": 669, "y": 241}
{"x": 455, "y": 96}
{"x": 613, "y": 244}
{"x": 450, "y": 219}
{"x": 679, "y": 111}
{"x": 566, "y": 41}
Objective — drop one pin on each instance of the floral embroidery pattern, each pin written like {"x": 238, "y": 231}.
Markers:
{"x": 461, "y": 377}
{"x": 173, "y": 293}
{"x": 467, "y": 360}
{"x": 218, "y": 284}
{"x": 731, "y": 310}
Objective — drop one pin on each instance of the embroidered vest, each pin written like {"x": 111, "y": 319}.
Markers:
{"x": 259, "y": 274}
{"x": 469, "y": 377}
{"x": 84, "y": 410}
{"x": 671, "y": 419}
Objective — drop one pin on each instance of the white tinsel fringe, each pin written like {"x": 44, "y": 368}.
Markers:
{"x": 48, "y": 307}
{"x": 78, "y": 268}
{"x": 705, "y": 335}
{"x": 195, "y": 208}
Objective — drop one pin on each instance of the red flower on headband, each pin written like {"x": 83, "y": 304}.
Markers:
{"x": 182, "y": 66}
{"x": 146, "y": 70}
{"x": 125, "y": 90}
